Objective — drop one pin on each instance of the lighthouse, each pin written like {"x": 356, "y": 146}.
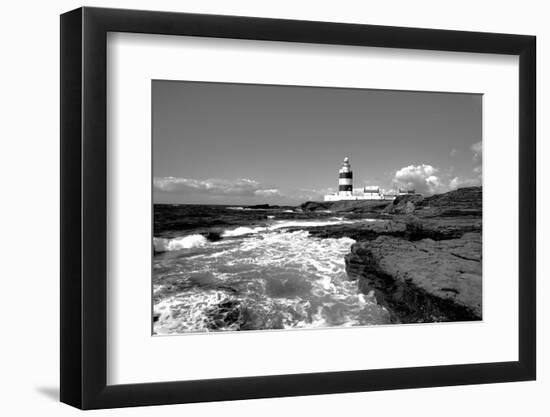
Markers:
{"x": 345, "y": 179}
{"x": 345, "y": 188}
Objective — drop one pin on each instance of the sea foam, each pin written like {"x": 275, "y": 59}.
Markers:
{"x": 241, "y": 231}
{"x": 186, "y": 242}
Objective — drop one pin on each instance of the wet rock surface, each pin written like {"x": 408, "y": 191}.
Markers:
{"x": 424, "y": 280}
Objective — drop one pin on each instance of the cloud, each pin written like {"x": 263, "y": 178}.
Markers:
{"x": 421, "y": 178}
{"x": 272, "y": 192}
{"x": 427, "y": 179}
{"x": 214, "y": 187}
{"x": 453, "y": 152}
{"x": 477, "y": 149}
{"x": 241, "y": 190}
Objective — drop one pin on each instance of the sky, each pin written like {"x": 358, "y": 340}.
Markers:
{"x": 226, "y": 143}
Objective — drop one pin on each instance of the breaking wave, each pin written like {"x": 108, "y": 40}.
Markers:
{"x": 283, "y": 224}
{"x": 271, "y": 279}
{"x": 186, "y": 242}
{"x": 197, "y": 240}
{"x": 242, "y": 231}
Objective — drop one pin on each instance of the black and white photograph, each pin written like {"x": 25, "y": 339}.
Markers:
{"x": 296, "y": 207}
{"x": 275, "y": 208}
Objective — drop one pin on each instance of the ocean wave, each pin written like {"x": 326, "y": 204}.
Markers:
{"x": 242, "y": 231}
{"x": 197, "y": 240}
{"x": 251, "y": 208}
{"x": 281, "y": 224}
{"x": 186, "y": 242}
{"x": 196, "y": 310}
{"x": 272, "y": 280}
{"x": 308, "y": 223}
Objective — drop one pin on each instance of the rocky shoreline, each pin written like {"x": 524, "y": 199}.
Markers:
{"x": 421, "y": 259}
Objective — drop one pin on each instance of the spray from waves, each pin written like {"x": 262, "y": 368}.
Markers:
{"x": 283, "y": 224}
{"x": 186, "y": 242}
{"x": 271, "y": 280}
{"x": 242, "y": 231}
{"x": 196, "y": 240}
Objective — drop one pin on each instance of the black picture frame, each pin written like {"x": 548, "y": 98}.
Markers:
{"x": 84, "y": 207}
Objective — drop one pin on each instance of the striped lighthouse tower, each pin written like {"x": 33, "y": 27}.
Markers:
{"x": 345, "y": 180}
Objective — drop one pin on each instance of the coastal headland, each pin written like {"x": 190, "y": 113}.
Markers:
{"x": 414, "y": 259}
{"x": 422, "y": 260}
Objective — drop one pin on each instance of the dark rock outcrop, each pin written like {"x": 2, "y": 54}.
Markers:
{"x": 403, "y": 204}
{"x": 420, "y": 257}
{"x": 359, "y": 206}
{"x": 262, "y": 207}
{"x": 213, "y": 236}
{"x": 421, "y": 281}
{"x": 462, "y": 202}
{"x": 316, "y": 205}
{"x": 407, "y": 227}
{"x": 440, "y": 228}
{"x": 363, "y": 231}
{"x": 425, "y": 263}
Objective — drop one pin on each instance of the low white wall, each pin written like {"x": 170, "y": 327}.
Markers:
{"x": 334, "y": 197}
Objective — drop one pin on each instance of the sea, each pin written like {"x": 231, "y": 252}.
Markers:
{"x": 223, "y": 268}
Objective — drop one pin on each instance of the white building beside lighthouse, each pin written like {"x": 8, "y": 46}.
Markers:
{"x": 345, "y": 188}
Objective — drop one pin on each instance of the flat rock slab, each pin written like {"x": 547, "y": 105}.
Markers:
{"x": 407, "y": 227}
{"x": 359, "y": 231}
{"x": 424, "y": 280}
